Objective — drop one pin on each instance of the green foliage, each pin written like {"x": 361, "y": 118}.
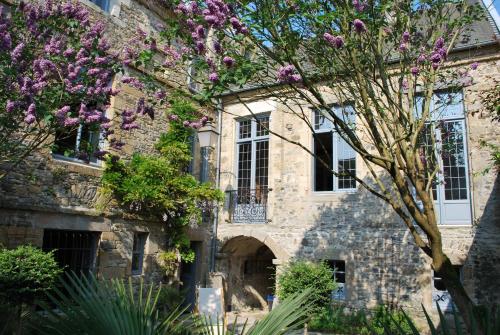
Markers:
{"x": 386, "y": 320}
{"x": 300, "y": 275}
{"x": 87, "y": 306}
{"x": 26, "y": 273}
{"x": 159, "y": 186}
{"x": 168, "y": 261}
{"x": 335, "y": 319}
{"x": 486, "y": 322}
{"x": 289, "y": 315}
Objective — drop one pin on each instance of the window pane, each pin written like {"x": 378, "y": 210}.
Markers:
{"x": 244, "y": 167}
{"x": 323, "y": 177}
{"x": 453, "y": 155}
{"x": 346, "y": 164}
{"x": 447, "y": 105}
{"x": 261, "y": 168}
{"x": 263, "y": 126}
{"x": 65, "y": 142}
{"x": 138, "y": 252}
{"x": 321, "y": 122}
{"x": 245, "y": 129}
{"x": 89, "y": 141}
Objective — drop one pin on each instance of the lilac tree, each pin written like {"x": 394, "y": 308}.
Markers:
{"x": 55, "y": 75}
{"x": 384, "y": 58}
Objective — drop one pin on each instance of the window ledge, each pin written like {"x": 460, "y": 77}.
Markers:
{"x": 75, "y": 165}
{"x": 331, "y": 193}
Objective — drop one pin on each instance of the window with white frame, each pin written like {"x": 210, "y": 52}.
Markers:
{"x": 338, "y": 268}
{"x": 440, "y": 295}
{"x": 138, "y": 252}
{"x": 330, "y": 148}
{"x": 445, "y": 138}
{"x": 253, "y": 155}
{"x": 78, "y": 143}
{"x": 103, "y": 4}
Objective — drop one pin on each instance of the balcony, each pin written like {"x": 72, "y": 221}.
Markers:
{"x": 248, "y": 205}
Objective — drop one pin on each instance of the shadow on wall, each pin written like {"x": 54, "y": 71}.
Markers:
{"x": 248, "y": 264}
{"x": 382, "y": 264}
{"x": 483, "y": 261}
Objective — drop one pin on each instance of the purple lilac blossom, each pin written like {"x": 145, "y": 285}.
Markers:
{"x": 359, "y": 5}
{"x": 474, "y": 65}
{"x": 213, "y": 77}
{"x": 359, "y": 26}
{"x": 228, "y": 61}
{"x": 286, "y": 74}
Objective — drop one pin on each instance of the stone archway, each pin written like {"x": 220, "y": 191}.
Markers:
{"x": 249, "y": 265}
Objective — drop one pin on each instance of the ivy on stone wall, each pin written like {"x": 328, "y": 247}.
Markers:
{"x": 159, "y": 187}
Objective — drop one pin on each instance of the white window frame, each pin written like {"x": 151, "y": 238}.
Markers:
{"x": 100, "y": 146}
{"x": 340, "y": 293}
{"x": 440, "y": 202}
{"x": 335, "y": 139}
{"x": 253, "y": 139}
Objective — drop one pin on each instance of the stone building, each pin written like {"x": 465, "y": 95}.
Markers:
{"x": 281, "y": 205}
{"x": 52, "y": 201}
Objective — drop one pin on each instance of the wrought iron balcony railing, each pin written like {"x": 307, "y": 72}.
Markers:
{"x": 248, "y": 205}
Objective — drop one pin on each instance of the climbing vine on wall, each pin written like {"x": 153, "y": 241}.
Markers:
{"x": 159, "y": 187}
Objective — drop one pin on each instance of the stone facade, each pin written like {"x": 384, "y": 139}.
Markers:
{"x": 382, "y": 263}
{"x": 50, "y": 193}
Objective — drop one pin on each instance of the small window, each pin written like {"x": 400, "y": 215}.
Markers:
{"x": 73, "y": 250}
{"x": 338, "y": 268}
{"x": 103, "y": 4}
{"x": 78, "y": 143}
{"x": 138, "y": 252}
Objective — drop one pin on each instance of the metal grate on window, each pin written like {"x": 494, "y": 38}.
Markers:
{"x": 74, "y": 250}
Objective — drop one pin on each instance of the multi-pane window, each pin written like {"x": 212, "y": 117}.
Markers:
{"x": 440, "y": 295}
{"x": 103, "y": 4}
{"x": 338, "y": 268}
{"x": 253, "y": 155}
{"x": 73, "y": 250}
{"x": 333, "y": 153}
{"x": 445, "y": 149}
{"x": 79, "y": 143}
{"x": 138, "y": 252}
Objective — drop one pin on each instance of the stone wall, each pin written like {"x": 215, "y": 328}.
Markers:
{"x": 45, "y": 192}
{"x": 383, "y": 265}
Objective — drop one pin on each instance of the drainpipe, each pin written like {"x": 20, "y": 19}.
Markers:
{"x": 213, "y": 246}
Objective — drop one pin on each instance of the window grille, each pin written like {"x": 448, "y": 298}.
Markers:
{"x": 73, "y": 250}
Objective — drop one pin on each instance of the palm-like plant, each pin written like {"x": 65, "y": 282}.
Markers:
{"x": 489, "y": 324}
{"x": 84, "y": 305}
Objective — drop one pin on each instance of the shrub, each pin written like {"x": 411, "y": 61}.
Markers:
{"x": 26, "y": 273}
{"x": 301, "y": 275}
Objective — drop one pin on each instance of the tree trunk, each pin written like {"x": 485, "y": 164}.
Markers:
{"x": 468, "y": 310}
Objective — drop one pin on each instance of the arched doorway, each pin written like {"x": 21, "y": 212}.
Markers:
{"x": 250, "y": 272}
